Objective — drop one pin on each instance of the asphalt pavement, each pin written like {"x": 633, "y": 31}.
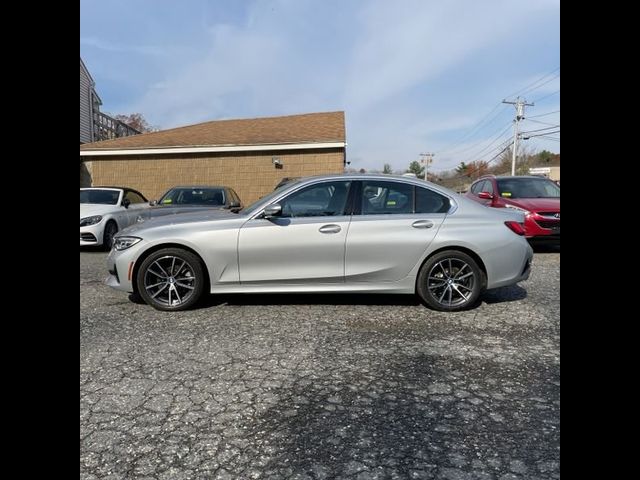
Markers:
{"x": 321, "y": 386}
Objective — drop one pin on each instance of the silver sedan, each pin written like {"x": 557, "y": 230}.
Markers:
{"x": 340, "y": 233}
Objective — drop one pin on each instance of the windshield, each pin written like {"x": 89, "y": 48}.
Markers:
{"x": 100, "y": 197}
{"x": 267, "y": 198}
{"x": 527, "y": 188}
{"x": 193, "y": 196}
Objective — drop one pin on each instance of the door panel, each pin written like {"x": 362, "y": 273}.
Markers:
{"x": 393, "y": 225}
{"x": 384, "y": 248}
{"x": 305, "y": 244}
{"x": 293, "y": 250}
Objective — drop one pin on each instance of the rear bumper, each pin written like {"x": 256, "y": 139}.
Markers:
{"x": 514, "y": 276}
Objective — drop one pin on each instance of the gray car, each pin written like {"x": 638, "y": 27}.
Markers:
{"x": 340, "y": 233}
{"x": 192, "y": 198}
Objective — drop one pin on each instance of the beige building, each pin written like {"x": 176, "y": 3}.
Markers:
{"x": 552, "y": 173}
{"x": 249, "y": 155}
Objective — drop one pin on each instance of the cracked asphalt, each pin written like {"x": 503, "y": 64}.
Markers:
{"x": 321, "y": 387}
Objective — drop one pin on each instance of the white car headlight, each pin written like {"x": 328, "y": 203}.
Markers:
{"x": 122, "y": 243}
{"x": 526, "y": 212}
{"x": 86, "y": 221}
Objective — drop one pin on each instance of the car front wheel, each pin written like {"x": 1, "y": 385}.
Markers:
{"x": 450, "y": 281}
{"x": 171, "y": 279}
{"x": 110, "y": 230}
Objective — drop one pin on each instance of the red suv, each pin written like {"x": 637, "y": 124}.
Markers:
{"x": 537, "y": 197}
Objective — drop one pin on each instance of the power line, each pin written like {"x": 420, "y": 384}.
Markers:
{"x": 484, "y": 164}
{"x": 478, "y": 157}
{"x": 543, "y": 114}
{"x": 478, "y": 143}
{"x": 477, "y": 154}
{"x": 474, "y": 129}
{"x": 483, "y": 122}
{"x": 546, "y": 96}
{"x": 528, "y": 87}
{"x": 542, "y": 123}
{"x": 541, "y": 85}
{"x": 539, "y": 129}
{"x": 508, "y": 142}
{"x": 540, "y": 134}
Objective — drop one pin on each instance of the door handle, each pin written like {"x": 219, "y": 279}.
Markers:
{"x": 331, "y": 228}
{"x": 422, "y": 224}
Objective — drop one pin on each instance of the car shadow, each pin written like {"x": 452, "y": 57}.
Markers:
{"x": 307, "y": 299}
{"x": 504, "y": 294}
{"x": 92, "y": 248}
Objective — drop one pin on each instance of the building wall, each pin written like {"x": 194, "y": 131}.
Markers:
{"x": 251, "y": 174}
{"x": 85, "y": 174}
{"x": 85, "y": 106}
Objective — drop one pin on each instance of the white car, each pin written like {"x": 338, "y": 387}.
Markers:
{"x": 104, "y": 211}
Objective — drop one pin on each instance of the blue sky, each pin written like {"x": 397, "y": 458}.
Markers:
{"x": 411, "y": 75}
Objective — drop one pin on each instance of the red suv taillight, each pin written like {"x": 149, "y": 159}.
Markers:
{"x": 515, "y": 227}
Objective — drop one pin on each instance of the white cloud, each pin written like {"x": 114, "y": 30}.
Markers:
{"x": 383, "y": 64}
{"x": 124, "y": 48}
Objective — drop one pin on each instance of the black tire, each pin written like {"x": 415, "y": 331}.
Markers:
{"x": 450, "y": 281}
{"x": 171, "y": 271}
{"x": 110, "y": 229}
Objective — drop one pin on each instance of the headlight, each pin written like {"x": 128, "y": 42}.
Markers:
{"x": 86, "y": 221}
{"x": 526, "y": 212}
{"x": 122, "y": 243}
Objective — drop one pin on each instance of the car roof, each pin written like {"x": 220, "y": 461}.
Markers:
{"x": 376, "y": 176}
{"x": 522, "y": 176}
{"x": 486, "y": 177}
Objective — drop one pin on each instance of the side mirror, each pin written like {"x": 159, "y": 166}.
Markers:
{"x": 126, "y": 202}
{"x": 153, "y": 203}
{"x": 273, "y": 210}
{"x": 234, "y": 205}
{"x": 485, "y": 196}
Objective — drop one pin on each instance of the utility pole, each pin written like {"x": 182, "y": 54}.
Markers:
{"x": 519, "y": 104}
{"x": 426, "y": 159}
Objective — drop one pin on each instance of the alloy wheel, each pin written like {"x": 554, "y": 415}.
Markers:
{"x": 170, "y": 281}
{"x": 451, "y": 282}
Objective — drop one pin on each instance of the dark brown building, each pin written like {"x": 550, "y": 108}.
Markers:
{"x": 249, "y": 155}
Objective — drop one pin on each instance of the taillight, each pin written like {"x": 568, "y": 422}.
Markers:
{"x": 515, "y": 227}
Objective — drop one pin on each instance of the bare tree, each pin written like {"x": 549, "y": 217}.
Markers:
{"x": 137, "y": 121}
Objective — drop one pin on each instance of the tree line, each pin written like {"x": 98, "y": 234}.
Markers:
{"x": 460, "y": 177}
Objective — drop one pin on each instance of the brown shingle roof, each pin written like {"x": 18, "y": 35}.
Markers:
{"x": 306, "y": 128}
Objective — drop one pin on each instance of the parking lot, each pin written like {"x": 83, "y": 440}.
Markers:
{"x": 321, "y": 387}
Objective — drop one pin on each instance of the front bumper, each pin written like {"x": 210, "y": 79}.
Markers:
{"x": 537, "y": 226}
{"x": 92, "y": 234}
{"x": 120, "y": 265}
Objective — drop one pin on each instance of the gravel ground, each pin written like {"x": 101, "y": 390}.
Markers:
{"x": 321, "y": 387}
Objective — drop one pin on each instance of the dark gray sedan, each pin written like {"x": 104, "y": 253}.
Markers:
{"x": 192, "y": 199}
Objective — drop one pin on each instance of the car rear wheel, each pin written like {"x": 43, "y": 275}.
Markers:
{"x": 171, "y": 279}
{"x": 110, "y": 229}
{"x": 450, "y": 281}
